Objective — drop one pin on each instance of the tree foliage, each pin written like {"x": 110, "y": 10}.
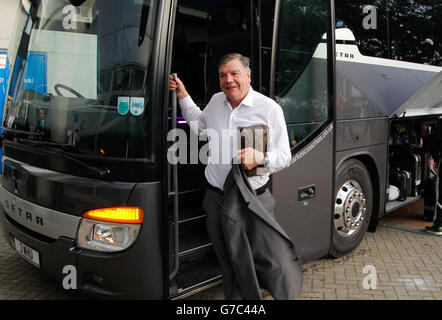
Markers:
{"x": 408, "y": 30}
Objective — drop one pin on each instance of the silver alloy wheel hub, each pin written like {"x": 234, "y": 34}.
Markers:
{"x": 350, "y": 208}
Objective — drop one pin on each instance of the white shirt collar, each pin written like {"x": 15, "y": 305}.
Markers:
{"x": 247, "y": 101}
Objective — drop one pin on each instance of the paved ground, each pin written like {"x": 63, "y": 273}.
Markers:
{"x": 21, "y": 280}
{"x": 408, "y": 265}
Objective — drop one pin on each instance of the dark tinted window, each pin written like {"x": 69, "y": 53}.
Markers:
{"x": 301, "y": 79}
{"x": 267, "y": 21}
{"x": 80, "y": 78}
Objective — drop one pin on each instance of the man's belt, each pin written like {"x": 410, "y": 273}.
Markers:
{"x": 259, "y": 191}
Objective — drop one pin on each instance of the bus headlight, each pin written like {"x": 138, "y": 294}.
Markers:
{"x": 106, "y": 236}
{"x": 109, "y": 229}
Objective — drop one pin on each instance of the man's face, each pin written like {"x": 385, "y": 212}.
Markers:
{"x": 234, "y": 81}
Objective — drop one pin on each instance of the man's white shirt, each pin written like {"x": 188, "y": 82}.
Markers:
{"x": 218, "y": 118}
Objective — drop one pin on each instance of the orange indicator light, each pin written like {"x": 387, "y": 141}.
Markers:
{"x": 117, "y": 214}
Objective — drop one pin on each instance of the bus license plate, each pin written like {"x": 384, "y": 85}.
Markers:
{"x": 31, "y": 255}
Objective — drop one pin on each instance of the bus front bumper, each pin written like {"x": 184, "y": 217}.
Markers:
{"x": 122, "y": 275}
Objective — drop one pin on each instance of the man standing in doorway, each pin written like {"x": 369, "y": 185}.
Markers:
{"x": 42, "y": 126}
{"x": 236, "y": 106}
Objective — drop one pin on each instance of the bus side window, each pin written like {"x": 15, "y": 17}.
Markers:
{"x": 301, "y": 79}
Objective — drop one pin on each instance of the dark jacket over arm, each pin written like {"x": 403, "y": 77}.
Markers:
{"x": 260, "y": 251}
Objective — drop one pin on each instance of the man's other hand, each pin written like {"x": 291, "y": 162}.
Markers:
{"x": 250, "y": 158}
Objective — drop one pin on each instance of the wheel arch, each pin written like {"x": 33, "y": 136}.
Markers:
{"x": 373, "y": 171}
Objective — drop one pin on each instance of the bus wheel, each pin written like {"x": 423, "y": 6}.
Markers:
{"x": 352, "y": 208}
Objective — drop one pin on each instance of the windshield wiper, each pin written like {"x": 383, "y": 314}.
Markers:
{"x": 17, "y": 131}
{"x": 32, "y": 142}
{"x": 60, "y": 148}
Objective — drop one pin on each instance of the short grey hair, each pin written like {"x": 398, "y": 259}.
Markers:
{"x": 235, "y": 56}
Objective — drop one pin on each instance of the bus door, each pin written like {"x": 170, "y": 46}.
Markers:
{"x": 301, "y": 81}
{"x": 203, "y": 32}
{"x": 291, "y": 59}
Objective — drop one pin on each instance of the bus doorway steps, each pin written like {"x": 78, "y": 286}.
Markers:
{"x": 190, "y": 212}
{"x": 197, "y": 262}
{"x": 194, "y": 241}
{"x": 195, "y": 274}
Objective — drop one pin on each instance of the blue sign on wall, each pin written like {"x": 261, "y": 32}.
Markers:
{"x": 4, "y": 76}
{"x": 36, "y": 72}
{"x": 35, "y": 76}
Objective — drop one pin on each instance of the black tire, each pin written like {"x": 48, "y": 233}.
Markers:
{"x": 349, "y": 205}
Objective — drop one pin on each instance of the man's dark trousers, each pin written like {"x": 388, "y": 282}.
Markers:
{"x": 213, "y": 203}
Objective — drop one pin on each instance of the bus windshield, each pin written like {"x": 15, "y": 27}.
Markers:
{"x": 80, "y": 76}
